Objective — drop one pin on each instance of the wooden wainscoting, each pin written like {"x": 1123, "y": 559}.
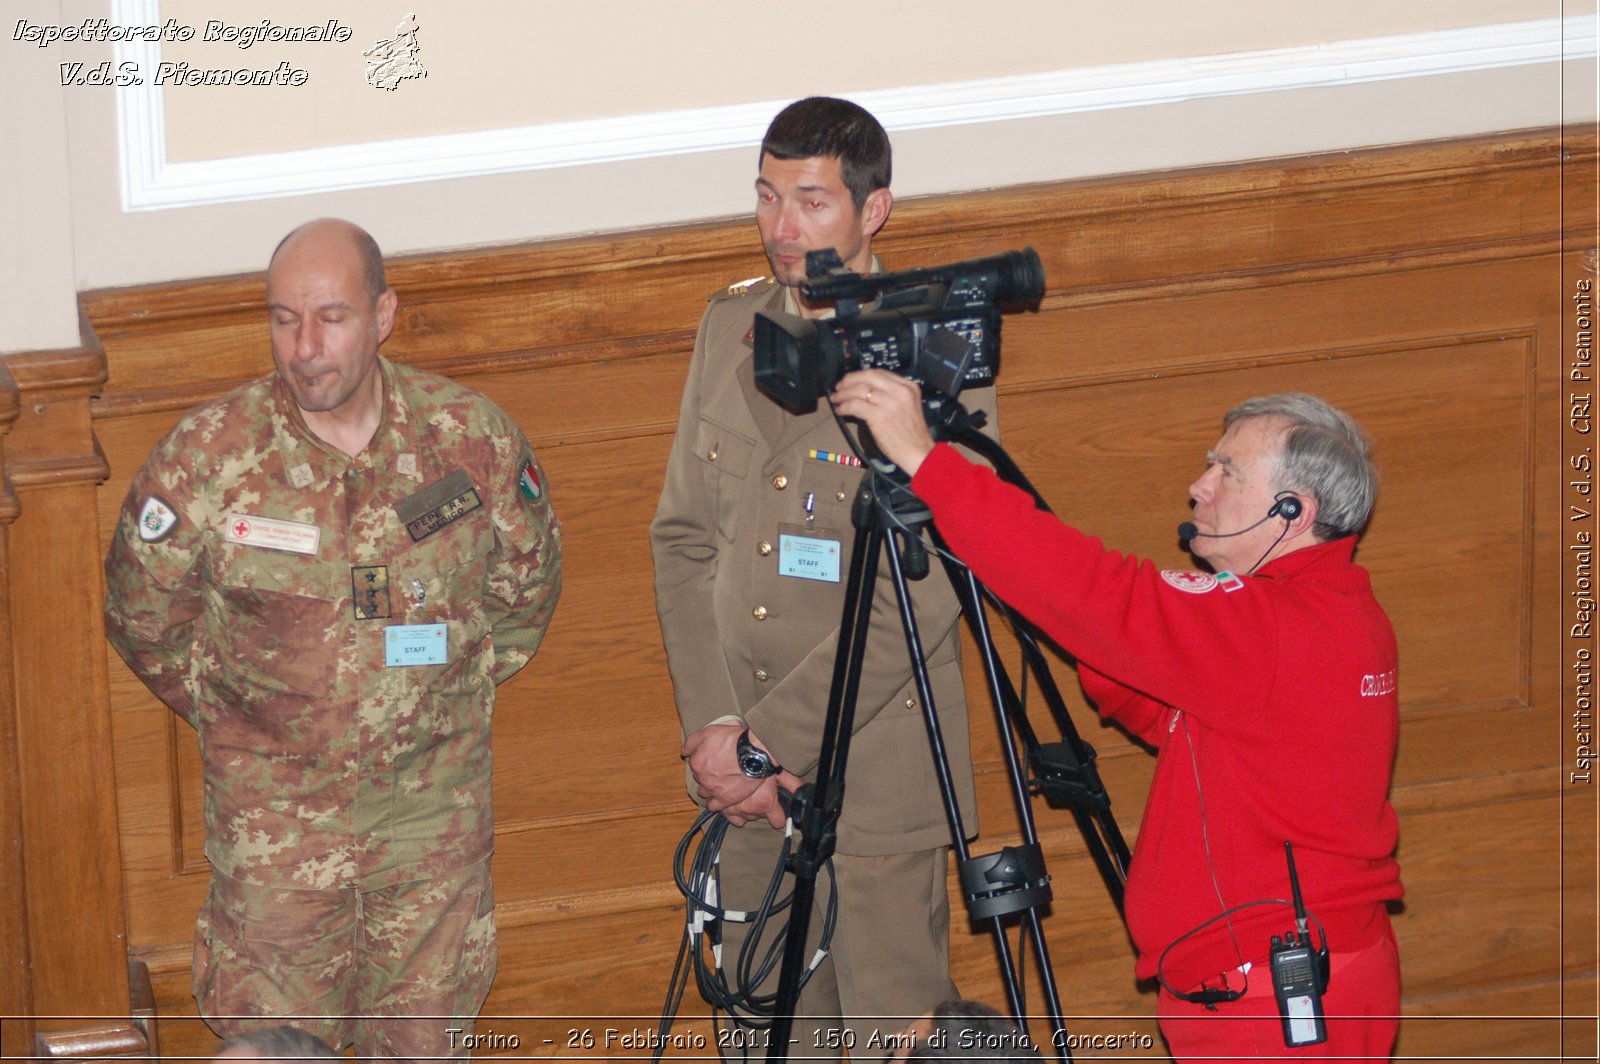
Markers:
{"x": 16, "y": 985}
{"x": 1421, "y": 288}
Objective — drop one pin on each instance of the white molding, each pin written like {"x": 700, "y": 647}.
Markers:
{"x": 150, "y": 182}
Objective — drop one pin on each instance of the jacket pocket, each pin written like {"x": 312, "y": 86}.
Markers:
{"x": 725, "y": 460}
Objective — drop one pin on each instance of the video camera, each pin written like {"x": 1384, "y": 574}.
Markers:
{"x": 939, "y": 326}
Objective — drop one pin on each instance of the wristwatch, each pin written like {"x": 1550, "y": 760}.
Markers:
{"x": 754, "y": 761}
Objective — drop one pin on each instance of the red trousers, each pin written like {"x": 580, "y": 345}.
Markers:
{"x": 1362, "y": 1007}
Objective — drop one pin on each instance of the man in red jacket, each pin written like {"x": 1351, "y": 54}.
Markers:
{"x": 1267, "y": 687}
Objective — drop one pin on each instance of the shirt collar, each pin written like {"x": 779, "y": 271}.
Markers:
{"x": 1335, "y": 553}
{"x": 394, "y": 415}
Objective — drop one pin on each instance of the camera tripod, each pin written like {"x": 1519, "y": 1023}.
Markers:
{"x": 1012, "y": 882}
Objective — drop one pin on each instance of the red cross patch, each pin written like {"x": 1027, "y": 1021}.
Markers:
{"x": 1194, "y": 583}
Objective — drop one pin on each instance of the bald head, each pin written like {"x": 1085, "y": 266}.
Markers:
{"x": 332, "y": 233}
{"x": 330, "y": 310}
{"x": 284, "y": 1044}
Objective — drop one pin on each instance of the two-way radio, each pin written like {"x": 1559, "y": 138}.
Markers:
{"x": 1299, "y": 974}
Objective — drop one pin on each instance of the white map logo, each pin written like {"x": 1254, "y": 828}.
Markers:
{"x": 392, "y": 61}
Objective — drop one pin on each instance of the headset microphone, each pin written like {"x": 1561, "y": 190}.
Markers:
{"x": 1286, "y": 505}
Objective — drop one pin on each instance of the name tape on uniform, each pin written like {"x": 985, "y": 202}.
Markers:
{"x": 437, "y": 505}
{"x": 271, "y": 533}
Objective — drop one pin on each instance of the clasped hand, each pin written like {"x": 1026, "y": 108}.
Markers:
{"x": 713, "y": 757}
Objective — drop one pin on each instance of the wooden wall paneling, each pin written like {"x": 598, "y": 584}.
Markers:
{"x": 1576, "y": 370}
{"x": 16, "y": 981}
{"x": 1413, "y": 286}
{"x": 76, "y": 929}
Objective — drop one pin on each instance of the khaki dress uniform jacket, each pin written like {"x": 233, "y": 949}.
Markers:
{"x": 744, "y": 641}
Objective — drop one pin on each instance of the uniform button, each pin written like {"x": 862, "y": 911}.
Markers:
{"x": 763, "y": 548}
{"x": 838, "y": 496}
{"x": 911, "y": 703}
{"x": 761, "y": 676}
{"x": 759, "y": 613}
{"x": 780, "y": 482}
{"x": 711, "y": 455}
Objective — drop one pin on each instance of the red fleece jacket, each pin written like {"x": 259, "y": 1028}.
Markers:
{"x": 1270, "y": 700}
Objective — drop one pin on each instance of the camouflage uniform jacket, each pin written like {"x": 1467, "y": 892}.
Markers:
{"x": 245, "y": 551}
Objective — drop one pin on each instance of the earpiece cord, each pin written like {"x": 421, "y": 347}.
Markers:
{"x": 1205, "y": 840}
{"x": 1286, "y": 526}
{"x": 1224, "y": 915}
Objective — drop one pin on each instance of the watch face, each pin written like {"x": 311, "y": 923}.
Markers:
{"x": 755, "y": 764}
{"x": 754, "y": 761}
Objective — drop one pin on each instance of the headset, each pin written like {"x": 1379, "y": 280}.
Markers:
{"x": 1286, "y": 504}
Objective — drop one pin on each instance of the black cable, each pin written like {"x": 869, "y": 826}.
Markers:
{"x": 695, "y": 871}
{"x": 1226, "y": 914}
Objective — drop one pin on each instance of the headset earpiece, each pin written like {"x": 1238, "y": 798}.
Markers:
{"x": 1288, "y": 506}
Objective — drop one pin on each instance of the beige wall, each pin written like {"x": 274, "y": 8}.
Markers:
{"x": 512, "y": 66}
{"x": 506, "y": 63}
{"x": 38, "y": 304}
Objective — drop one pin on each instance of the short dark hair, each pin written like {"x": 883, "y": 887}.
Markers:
{"x": 366, "y": 249}
{"x": 281, "y": 1043}
{"x": 826, "y": 127}
{"x": 972, "y": 1031}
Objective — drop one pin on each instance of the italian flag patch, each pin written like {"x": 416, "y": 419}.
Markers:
{"x": 528, "y": 481}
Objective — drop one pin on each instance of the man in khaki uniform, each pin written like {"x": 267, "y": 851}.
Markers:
{"x": 326, "y": 572}
{"x": 749, "y": 494}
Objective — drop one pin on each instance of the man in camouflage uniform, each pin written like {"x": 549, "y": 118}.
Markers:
{"x": 326, "y": 572}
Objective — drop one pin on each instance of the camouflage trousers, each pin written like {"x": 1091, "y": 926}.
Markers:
{"x": 401, "y": 971}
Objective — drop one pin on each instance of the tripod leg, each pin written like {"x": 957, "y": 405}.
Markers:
{"x": 819, "y": 816}
{"x": 1038, "y": 894}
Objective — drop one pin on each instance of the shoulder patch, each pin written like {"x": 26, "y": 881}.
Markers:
{"x": 528, "y": 480}
{"x": 157, "y": 519}
{"x": 1195, "y": 583}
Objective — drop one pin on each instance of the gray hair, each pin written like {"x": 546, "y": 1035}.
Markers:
{"x": 970, "y": 1031}
{"x": 281, "y": 1043}
{"x": 1324, "y": 455}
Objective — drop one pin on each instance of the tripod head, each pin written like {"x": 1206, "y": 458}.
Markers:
{"x": 887, "y": 488}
